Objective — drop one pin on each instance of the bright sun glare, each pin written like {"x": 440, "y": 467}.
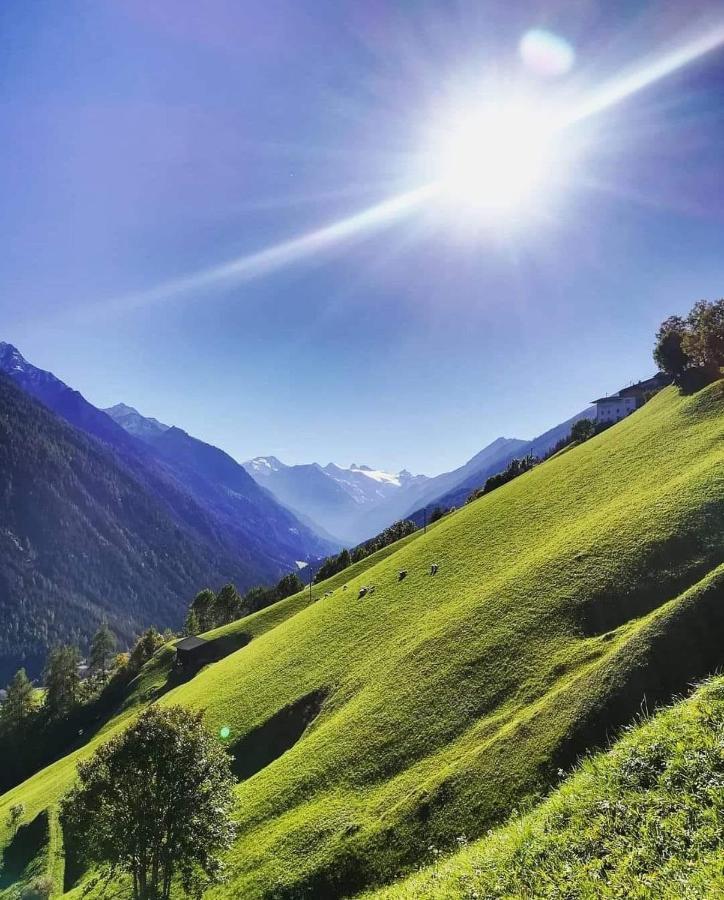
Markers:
{"x": 496, "y": 160}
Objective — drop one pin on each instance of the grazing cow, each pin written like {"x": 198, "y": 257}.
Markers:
{"x": 402, "y": 574}
{"x": 433, "y": 569}
{"x": 362, "y": 592}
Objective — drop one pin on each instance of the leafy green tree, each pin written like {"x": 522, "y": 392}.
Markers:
{"x": 288, "y": 585}
{"x": 582, "y": 430}
{"x": 669, "y": 353}
{"x": 344, "y": 560}
{"x": 62, "y": 680}
{"x": 155, "y": 801}
{"x": 102, "y": 649}
{"x": 19, "y": 703}
{"x": 204, "y": 605}
{"x": 148, "y": 643}
{"x": 704, "y": 338}
{"x": 228, "y": 606}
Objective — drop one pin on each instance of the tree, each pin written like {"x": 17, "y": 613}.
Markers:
{"x": 289, "y": 584}
{"x": 703, "y": 341}
{"x": 669, "y": 353}
{"x": 582, "y": 430}
{"x": 62, "y": 680}
{"x": 148, "y": 643}
{"x": 228, "y": 606}
{"x": 19, "y": 702}
{"x": 203, "y": 605}
{"x": 102, "y": 648}
{"x": 437, "y": 513}
{"x": 191, "y": 625}
{"x": 155, "y": 801}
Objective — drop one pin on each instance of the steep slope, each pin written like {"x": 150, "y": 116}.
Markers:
{"x": 82, "y": 541}
{"x": 234, "y": 512}
{"x": 645, "y": 819}
{"x": 442, "y": 702}
{"x": 463, "y": 481}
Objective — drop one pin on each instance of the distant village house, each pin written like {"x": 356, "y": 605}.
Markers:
{"x": 619, "y": 405}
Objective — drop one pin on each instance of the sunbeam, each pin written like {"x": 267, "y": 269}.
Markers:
{"x": 386, "y": 213}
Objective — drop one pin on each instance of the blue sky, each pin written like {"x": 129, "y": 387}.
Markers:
{"x": 141, "y": 143}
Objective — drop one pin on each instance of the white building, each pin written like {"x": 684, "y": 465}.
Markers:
{"x": 615, "y": 407}
{"x": 625, "y": 401}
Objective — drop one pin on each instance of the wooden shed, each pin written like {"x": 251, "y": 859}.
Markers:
{"x": 192, "y": 652}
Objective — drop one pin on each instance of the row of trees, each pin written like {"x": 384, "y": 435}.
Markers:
{"x": 37, "y": 724}
{"x": 209, "y": 610}
{"x": 334, "y": 564}
{"x": 695, "y": 342}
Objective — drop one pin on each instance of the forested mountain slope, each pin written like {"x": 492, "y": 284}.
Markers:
{"x": 200, "y": 486}
{"x": 82, "y": 541}
{"x": 434, "y": 705}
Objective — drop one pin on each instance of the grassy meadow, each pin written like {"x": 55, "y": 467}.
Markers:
{"x": 434, "y": 706}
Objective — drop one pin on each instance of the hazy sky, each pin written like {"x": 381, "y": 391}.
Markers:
{"x": 141, "y": 143}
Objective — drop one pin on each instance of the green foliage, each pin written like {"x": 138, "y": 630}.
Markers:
{"x": 155, "y": 802}
{"x": 204, "y": 608}
{"x": 704, "y": 337}
{"x": 191, "y": 623}
{"x": 20, "y": 703}
{"x": 228, "y": 606}
{"x": 146, "y": 645}
{"x": 583, "y": 430}
{"x": 62, "y": 681}
{"x": 118, "y": 555}
{"x": 103, "y": 645}
{"x": 562, "y": 598}
{"x": 335, "y": 564}
{"x": 697, "y": 341}
{"x": 288, "y": 585}
{"x": 669, "y": 353}
{"x": 436, "y": 514}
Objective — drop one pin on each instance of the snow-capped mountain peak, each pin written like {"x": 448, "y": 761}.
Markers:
{"x": 263, "y": 466}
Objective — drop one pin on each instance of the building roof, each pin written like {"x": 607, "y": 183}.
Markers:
{"x": 191, "y": 643}
{"x": 659, "y": 380}
{"x": 614, "y": 398}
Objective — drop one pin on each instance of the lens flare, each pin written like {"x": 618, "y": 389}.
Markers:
{"x": 546, "y": 54}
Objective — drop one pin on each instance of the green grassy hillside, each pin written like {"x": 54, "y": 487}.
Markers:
{"x": 645, "y": 819}
{"x": 562, "y": 599}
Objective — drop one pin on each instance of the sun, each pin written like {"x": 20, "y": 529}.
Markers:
{"x": 496, "y": 159}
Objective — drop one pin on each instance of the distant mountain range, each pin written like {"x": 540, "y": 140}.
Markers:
{"x": 226, "y": 526}
{"x": 247, "y": 523}
{"x": 337, "y": 499}
{"x": 358, "y": 502}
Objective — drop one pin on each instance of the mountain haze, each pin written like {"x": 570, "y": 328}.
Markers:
{"x": 202, "y": 487}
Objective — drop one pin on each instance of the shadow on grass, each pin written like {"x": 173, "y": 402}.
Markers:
{"x": 274, "y": 737}
{"x": 27, "y": 843}
{"x": 211, "y": 652}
